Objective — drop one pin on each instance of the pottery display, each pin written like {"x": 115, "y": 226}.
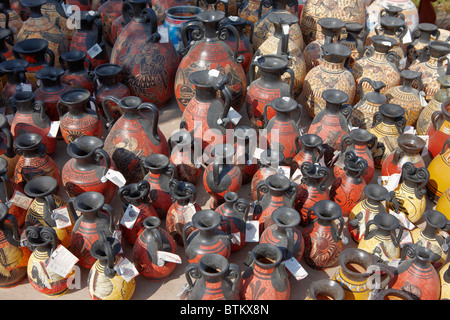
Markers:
{"x": 309, "y": 148}
{"x": 56, "y": 13}
{"x": 355, "y": 40}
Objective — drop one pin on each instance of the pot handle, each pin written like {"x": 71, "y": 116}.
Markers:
{"x": 108, "y": 115}
{"x": 150, "y": 25}
{"x": 396, "y": 239}
{"x": 216, "y": 171}
{"x": 151, "y": 107}
{"x": 265, "y": 3}
{"x": 192, "y": 271}
{"x": 298, "y": 144}
{"x": 386, "y": 270}
{"x": 15, "y": 229}
{"x": 112, "y": 220}
{"x": 9, "y": 142}
{"x": 436, "y": 119}
{"x": 109, "y": 269}
{"x": 71, "y": 209}
{"x": 397, "y": 155}
{"x": 251, "y": 71}
{"x": 39, "y": 106}
{"x": 223, "y": 35}
{"x": 291, "y": 82}
{"x": 225, "y": 4}
{"x": 7, "y": 186}
{"x": 158, "y": 239}
{"x": 369, "y": 234}
{"x": 243, "y": 206}
{"x": 51, "y": 57}
{"x": 51, "y": 205}
{"x": 292, "y": 192}
{"x": 290, "y": 243}
{"x": 234, "y": 273}
{"x": 97, "y": 111}
{"x": 99, "y": 154}
{"x": 261, "y": 187}
{"x": 325, "y": 173}
{"x": 184, "y": 233}
{"x": 445, "y": 146}
{"x": 346, "y": 140}
{"x": 227, "y": 103}
{"x": 341, "y": 228}
{"x": 197, "y": 34}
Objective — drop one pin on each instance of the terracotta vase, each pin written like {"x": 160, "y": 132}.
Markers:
{"x": 406, "y": 96}
{"x": 75, "y": 73}
{"x": 109, "y": 11}
{"x": 281, "y": 43}
{"x": 268, "y": 163}
{"x": 394, "y": 27}
{"x": 86, "y": 167}
{"x": 104, "y": 282}
{"x": 205, "y": 116}
{"x": 410, "y": 193}
{"x": 378, "y": 63}
{"x": 158, "y": 172}
{"x": 409, "y": 149}
{"x": 7, "y": 147}
{"x": 40, "y": 213}
{"x": 245, "y": 42}
{"x": 50, "y": 90}
{"x": 16, "y": 257}
{"x": 443, "y": 94}
{"x": 144, "y": 58}
{"x": 428, "y": 236}
{"x": 311, "y": 190}
{"x": 264, "y": 28}
{"x": 405, "y": 8}
{"x": 274, "y": 192}
{"x": 269, "y": 86}
{"x": 367, "y": 106}
{"x": 137, "y": 195}
{"x": 285, "y": 234}
{"x": 79, "y": 119}
{"x": 347, "y": 188}
{"x": 355, "y": 39}
{"x": 209, "y": 52}
{"x": 331, "y": 30}
{"x": 439, "y": 132}
{"x": 34, "y": 160}
{"x": 221, "y": 175}
{"x": 182, "y": 209}
{"x": 437, "y": 184}
{"x": 10, "y": 18}
{"x": 266, "y": 277}
{"x": 215, "y": 279}
{"x": 34, "y": 51}
{"x": 376, "y": 201}
{"x": 356, "y": 268}
{"x": 96, "y": 217}
{"x": 207, "y": 237}
{"x": 135, "y": 135}
{"x": 56, "y": 13}
{"x": 39, "y": 26}
{"x": 182, "y": 155}
{"x": 432, "y": 65}
{"x": 361, "y": 142}
{"x": 151, "y": 240}
{"x": 235, "y": 210}
{"x": 331, "y": 124}
{"x": 107, "y": 83}
{"x": 313, "y": 11}
{"x": 323, "y": 242}
{"x": 245, "y": 141}
{"x": 43, "y": 242}
{"x": 388, "y": 124}
{"x": 421, "y": 38}
{"x": 383, "y": 240}
{"x": 325, "y": 289}
{"x": 417, "y": 275}
{"x": 309, "y": 148}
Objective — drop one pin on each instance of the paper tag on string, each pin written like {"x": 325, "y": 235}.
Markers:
{"x": 286, "y": 171}
{"x": 129, "y": 217}
{"x": 25, "y": 87}
{"x": 189, "y": 212}
{"x": 61, "y": 217}
{"x": 54, "y": 128}
{"x": 115, "y": 177}
{"x": 285, "y": 28}
{"x": 117, "y": 234}
{"x": 213, "y": 73}
{"x": 94, "y": 51}
{"x": 164, "y": 33}
{"x": 233, "y": 18}
{"x": 423, "y": 101}
{"x": 252, "y": 231}
{"x": 126, "y": 269}
{"x": 21, "y": 200}
{"x": 407, "y": 39}
{"x": 404, "y": 221}
{"x": 168, "y": 256}
{"x": 410, "y": 130}
{"x": 425, "y": 138}
{"x": 184, "y": 292}
{"x": 61, "y": 261}
{"x": 297, "y": 176}
{"x": 234, "y": 116}
{"x": 295, "y": 268}
{"x": 389, "y": 182}
{"x": 236, "y": 238}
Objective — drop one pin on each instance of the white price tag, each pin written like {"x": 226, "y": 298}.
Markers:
{"x": 406, "y": 238}
{"x": 25, "y": 87}
{"x": 390, "y": 182}
{"x": 233, "y": 18}
{"x": 117, "y": 234}
{"x": 61, "y": 217}
{"x": 94, "y": 51}
{"x": 234, "y": 116}
{"x": 236, "y": 238}
{"x": 394, "y": 262}
{"x": 404, "y": 221}
{"x": 386, "y": 43}
{"x": 410, "y": 130}
{"x": 213, "y": 73}
{"x": 61, "y": 262}
{"x": 425, "y": 138}
{"x": 189, "y": 212}
{"x": 115, "y": 177}
{"x": 285, "y": 170}
{"x": 407, "y": 39}
{"x": 423, "y": 101}
{"x": 285, "y": 29}
{"x": 257, "y": 153}
{"x": 21, "y": 200}
{"x": 297, "y": 176}
{"x": 129, "y": 217}
{"x": 54, "y": 128}
{"x": 164, "y": 33}
{"x": 168, "y": 256}
{"x": 252, "y": 231}
{"x": 126, "y": 269}
{"x": 296, "y": 268}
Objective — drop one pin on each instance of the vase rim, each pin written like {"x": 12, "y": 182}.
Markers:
{"x": 42, "y": 186}
{"x": 84, "y": 147}
{"x": 89, "y": 201}
{"x": 31, "y": 46}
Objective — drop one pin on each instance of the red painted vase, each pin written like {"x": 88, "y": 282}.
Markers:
{"x": 75, "y": 73}
{"x": 109, "y": 11}
{"x": 268, "y": 163}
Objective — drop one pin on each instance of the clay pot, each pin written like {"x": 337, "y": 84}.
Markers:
{"x": 104, "y": 282}
{"x": 75, "y": 73}
{"x": 7, "y": 192}
{"x": 151, "y": 240}
{"x": 34, "y": 160}
{"x": 438, "y": 184}
{"x": 409, "y": 149}
{"x": 43, "y": 241}
{"x": 355, "y": 39}
{"x": 438, "y": 132}
{"x": 109, "y": 11}
{"x": 138, "y": 196}
{"x": 96, "y": 217}
{"x": 88, "y": 165}
{"x": 34, "y": 51}
{"x": 443, "y": 203}
{"x": 10, "y": 19}
{"x": 394, "y": 27}
{"x": 7, "y": 147}
{"x": 236, "y": 210}
{"x": 221, "y": 175}
{"x": 207, "y": 237}
{"x": 40, "y": 213}
{"x": 80, "y": 119}
{"x": 266, "y": 277}
{"x": 209, "y": 52}
{"x": 50, "y": 90}
{"x": 158, "y": 172}
{"x": 6, "y": 39}
{"x": 56, "y": 13}
{"x": 135, "y": 135}
{"x": 144, "y": 58}
{"x": 309, "y": 149}
{"x": 323, "y": 242}
{"x": 421, "y": 38}
{"x": 268, "y": 163}
{"x": 311, "y": 190}
{"x": 215, "y": 279}
{"x": 325, "y": 289}
{"x": 182, "y": 209}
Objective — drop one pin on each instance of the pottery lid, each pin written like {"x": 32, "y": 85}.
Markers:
{"x": 30, "y": 46}
{"x": 41, "y": 186}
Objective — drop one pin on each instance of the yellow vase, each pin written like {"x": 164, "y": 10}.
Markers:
{"x": 443, "y": 204}
{"x": 439, "y": 169}
{"x": 444, "y": 275}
